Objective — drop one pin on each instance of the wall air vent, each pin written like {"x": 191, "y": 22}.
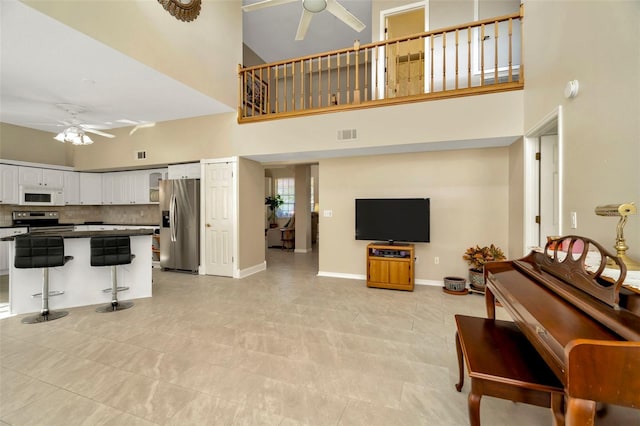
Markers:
{"x": 140, "y": 155}
{"x": 347, "y": 134}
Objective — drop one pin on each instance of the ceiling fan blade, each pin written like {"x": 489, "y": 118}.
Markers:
{"x": 265, "y": 3}
{"x": 141, "y": 126}
{"x": 97, "y": 132}
{"x": 303, "y": 26}
{"x": 337, "y": 10}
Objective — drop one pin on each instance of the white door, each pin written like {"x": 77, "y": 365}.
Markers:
{"x": 219, "y": 214}
{"x": 549, "y": 185}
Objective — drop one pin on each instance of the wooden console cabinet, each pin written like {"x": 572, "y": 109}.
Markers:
{"x": 390, "y": 266}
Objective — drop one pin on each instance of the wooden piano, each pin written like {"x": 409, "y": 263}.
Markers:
{"x": 571, "y": 305}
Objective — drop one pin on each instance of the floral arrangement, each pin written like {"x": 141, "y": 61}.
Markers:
{"x": 477, "y": 256}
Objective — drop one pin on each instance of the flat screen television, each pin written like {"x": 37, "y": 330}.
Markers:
{"x": 393, "y": 219}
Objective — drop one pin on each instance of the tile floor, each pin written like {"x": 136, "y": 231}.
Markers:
{"x": 282, "y": 347}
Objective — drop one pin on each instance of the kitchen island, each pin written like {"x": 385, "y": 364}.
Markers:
{"x": 82, "y": 283}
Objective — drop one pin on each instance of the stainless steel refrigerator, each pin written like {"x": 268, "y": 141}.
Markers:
{"x": 180, "y": 228}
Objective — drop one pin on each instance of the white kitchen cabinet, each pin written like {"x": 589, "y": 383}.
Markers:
{"x": 9, "y": 184}
{"x": 90, "y": 188}
{"x": 5, "y": 262}
{"x": 36, "y": 177}
{"x": 139, "y": 185}
{"x": 184, "y": 171}
{"x": 130, "y": 187}
{"x": 108, "y": 188}
{"x": 71, "y": 188}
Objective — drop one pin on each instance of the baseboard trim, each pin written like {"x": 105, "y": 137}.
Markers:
{"x": 252, "y": 270}
{"x": 434, "y": 283}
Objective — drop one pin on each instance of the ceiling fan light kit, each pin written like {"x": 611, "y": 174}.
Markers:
{"x": 75, "y": 135}
{"x": 314, "y": 6}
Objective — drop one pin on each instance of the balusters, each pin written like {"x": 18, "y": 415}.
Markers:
{"x": 329, "y": 80}
{"x": 366, "y": 75}
{"x": 444, "y": 61}
{"x": 482, "y": 55}
{"x": 510, "y": 50}
{"x": 277, "y": 92}
{"x": 495, "y": 52}
{"x": 386, "y": 70}
{"x": 348, "y": 71}
{"x": 431, "y": 41}
{"x": 338, "y": 94}
{"x": 320, "y": 82}
{"x": 469, "y": 57}
{"x": 457, "y": 59}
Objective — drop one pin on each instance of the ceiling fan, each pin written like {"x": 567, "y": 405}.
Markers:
{"x": 75, "y": 132}
{"x": 137, "y": 124}
{"x": 309, "y": 8}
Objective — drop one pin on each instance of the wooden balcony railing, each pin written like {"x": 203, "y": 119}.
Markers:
{"x": 474, "y": 58}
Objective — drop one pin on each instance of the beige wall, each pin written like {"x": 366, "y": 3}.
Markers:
{"x": 251, "y": 219}
{"x": 469, "y": 191}
{"x": 167, "y": 142}
{"x": 601, "y": 125}
{"x": 203, "y": 54}
{"x": 22, "y": 144}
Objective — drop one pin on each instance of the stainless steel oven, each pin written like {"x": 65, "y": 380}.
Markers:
{"x": 40, "y": 221}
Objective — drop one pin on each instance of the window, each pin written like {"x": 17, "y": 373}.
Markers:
{"x": 313, "y": 196}
{"x": 285, "y": 187}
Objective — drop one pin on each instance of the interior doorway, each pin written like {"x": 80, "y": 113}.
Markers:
{"x": 403, "y": 66}
{"x": 543, "y": 181}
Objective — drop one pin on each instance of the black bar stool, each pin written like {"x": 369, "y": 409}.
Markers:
{"x": 112, "y": 251}
{"x": 41, "y": 252}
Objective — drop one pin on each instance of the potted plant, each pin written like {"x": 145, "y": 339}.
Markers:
{"x": 476, "y": 257}
{"x": 273, "y": 203}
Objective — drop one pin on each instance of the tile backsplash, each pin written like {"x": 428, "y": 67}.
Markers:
{"x": 141, "y": 214}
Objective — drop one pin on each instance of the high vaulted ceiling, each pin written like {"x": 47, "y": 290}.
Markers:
{"x": 44, "y": 63}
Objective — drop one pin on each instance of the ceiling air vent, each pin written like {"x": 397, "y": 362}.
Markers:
{"x": 140, "y": 155}
{"x": 347, "y": 135}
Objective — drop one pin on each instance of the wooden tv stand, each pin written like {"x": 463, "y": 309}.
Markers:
{"x": 390, "y": 266}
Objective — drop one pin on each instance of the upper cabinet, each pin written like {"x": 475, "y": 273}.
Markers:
{"x": 36, "y": 177}
{"x": 90, "y": 188}
{"x": 8, "y": 184}
{"x": 71, "y": 188}
{"x": 132, "y": 187}
{"x": 87, "y": 188}
{"x": 184, "y": 171}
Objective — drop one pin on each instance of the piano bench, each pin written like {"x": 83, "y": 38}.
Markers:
{"x": 503, "y": 364}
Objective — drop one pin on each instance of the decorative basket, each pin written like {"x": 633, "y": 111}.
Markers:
{"x": 455, "y": 283}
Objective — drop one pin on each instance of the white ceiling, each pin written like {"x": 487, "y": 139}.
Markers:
{"x": 44, "y": 63}
{"x": 270, "y": 32}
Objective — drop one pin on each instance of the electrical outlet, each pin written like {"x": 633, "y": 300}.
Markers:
{"x": 574, "y": 220}
{"x": 436, "y": 260}
{"x": 327, "y": 213}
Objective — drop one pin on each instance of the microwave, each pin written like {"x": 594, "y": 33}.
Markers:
{"x": 36, "y": 196}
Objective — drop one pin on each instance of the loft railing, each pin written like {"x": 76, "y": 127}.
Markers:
{"x": 474, "y": 58}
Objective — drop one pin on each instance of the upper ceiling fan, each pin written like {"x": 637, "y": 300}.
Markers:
{"x": 309, "y": 7}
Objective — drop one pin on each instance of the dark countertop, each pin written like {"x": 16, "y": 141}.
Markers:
{"x": 109, "y": 224}
{"x": 89, "y": 234}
